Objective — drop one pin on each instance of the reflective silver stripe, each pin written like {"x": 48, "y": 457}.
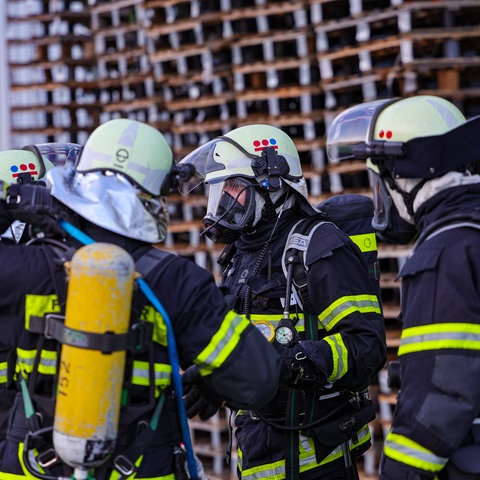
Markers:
{"x": 141, "y": 375}
{"x": 222, "y": 343}
{"x": 345, "y": 306}
{"x": 3, "y": 372}
{"x": 276, "y": 470}
{"x": 439, "y": 336}
{"x": 406, "y": 451}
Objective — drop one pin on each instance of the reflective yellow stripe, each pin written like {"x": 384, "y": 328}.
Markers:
{"x": 273, "y": 317}
{"x": 274, "y": 320}
{"x": 150, "y": 314}
{"x": 344, "y": 306}
{"x": 26, "y": 360}
{"x": 3, "y": 372}
{"x": 439, "y": 336}
{"x": 26, "y": 473}
{"x": 307, "y": 459}
{"x": 141, "y": 374}
{"x": 39, "y": 305}
{"x": 222, "y": 343}
{"x": 406, "y": 451}
{"x": 366, "y": 242}
{"x": 339, "y": 356}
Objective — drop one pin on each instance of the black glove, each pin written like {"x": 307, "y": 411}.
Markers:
{"x": 197, "y": 400}
{"x": 32, "y": 203}
{"x": 297, "y": 370}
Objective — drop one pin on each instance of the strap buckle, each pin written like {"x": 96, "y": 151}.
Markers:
{"x": 123, "y": 465}
{"x": 47, "y": 458}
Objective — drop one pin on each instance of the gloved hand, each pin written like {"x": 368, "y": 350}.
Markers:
{"x": 197, "y": 400}
{"x": 297, "y": 370}
{"x": 32, "y": 203}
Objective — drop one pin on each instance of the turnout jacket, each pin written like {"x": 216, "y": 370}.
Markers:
{"x": 439, "y": 351}
{"x": 225, "y": 347}
{"x": 349, "y": 350}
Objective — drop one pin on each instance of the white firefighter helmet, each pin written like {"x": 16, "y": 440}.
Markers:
{"x": 405, "y": 142}
{"x": 239, "y": 153}
{"x": 134, "y": 149}
{"x": 15, "y": 163}
{"x": 18, "y": 166}
{"x": 249, "y": 168}
{"x": 118, "y": 184}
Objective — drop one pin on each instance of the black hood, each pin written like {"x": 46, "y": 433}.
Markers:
{"x": 459, "y": 200}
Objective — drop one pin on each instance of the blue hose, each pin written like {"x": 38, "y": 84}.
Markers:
{"x": 172, "y": 350}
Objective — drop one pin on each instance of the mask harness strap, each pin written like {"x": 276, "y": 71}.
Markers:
{"x": 172, "y": 352}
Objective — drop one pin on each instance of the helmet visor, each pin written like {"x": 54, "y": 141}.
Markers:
{"x": 57, "y": 153}
{"x": 203, "y": 160}
{"x": 382, "y": 202}
{"x": 231, "y": 203}
{"x": 350, "y": 128}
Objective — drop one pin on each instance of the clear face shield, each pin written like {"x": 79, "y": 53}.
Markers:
{"x": 202, "y": 159}
{"x": 58, "y": 154}
{"x": 382, "y": 202}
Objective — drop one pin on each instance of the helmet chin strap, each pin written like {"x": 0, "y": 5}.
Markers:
{"x": 408, "y": 197}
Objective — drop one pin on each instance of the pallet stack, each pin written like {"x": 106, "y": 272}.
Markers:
{"x": 195, "y": 69}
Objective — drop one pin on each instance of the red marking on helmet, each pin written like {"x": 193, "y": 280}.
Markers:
{"x": 389, "y": 134}
{"x": 259, "y": 145}
{"x": 381, "y": 133}
{"x": 24, "y": 168}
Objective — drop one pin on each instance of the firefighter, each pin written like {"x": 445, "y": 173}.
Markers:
{"x": 116, "y": 195}
{"x": 421, "y": 156}
{"x": 257, "y": 194}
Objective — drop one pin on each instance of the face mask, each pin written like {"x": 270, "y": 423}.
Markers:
{"x": 387, "y": 222}
{"x": 230, "y": 209}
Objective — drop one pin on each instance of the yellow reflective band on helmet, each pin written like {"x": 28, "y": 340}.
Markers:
{"x": 438, "y": 336}
{"x": 39, "y": 305}
{"x": 222, "y": 343}
{"x": 339, "y": 357}
{"x": 307, "y": 459}
{"x": 344, "y": 306}
{"x": 141, "y": 374}
{"x": 3, "y": 372}
{"x": 366, "y": 242}
{"x": 406, "y": 451}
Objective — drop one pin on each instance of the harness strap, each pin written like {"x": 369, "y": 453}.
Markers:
{"x": 137, "y": 339}
{"x": 292, "y": 460}
{"x": 125, "y": 463}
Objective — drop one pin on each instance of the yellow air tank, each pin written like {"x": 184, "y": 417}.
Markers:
{"x": 90, "y": 382}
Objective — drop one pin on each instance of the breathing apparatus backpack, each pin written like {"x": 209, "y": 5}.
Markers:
{"x": 351, "y": 213}
{"x": 137, "y": 340}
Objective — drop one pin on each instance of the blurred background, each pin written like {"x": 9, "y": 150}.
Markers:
{"x": 196, "y": 69}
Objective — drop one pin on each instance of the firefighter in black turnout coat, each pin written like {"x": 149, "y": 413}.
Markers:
{"x": 257, "y": 194}
{"x": 421, "y": 155}
{"x": 123, "y": 205}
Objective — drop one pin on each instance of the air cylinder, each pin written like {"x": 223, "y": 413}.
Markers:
{"x": 90, "y": 381}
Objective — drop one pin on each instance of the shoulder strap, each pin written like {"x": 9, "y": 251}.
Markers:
{"x": 150, "y": 261}
{"x": 293, "y": 260}
{"x": 449, "y": 223}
